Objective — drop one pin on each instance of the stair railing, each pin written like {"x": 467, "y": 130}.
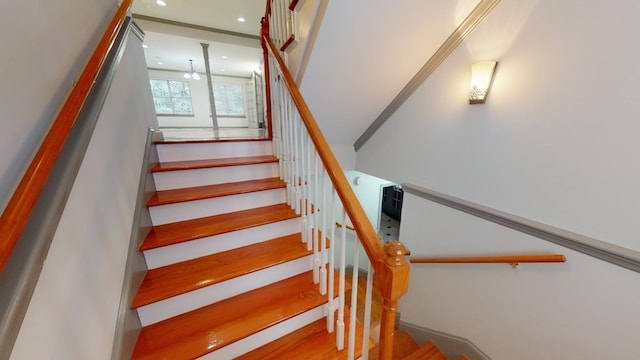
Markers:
{"x": 320, "y": 193}
{"x": 281, "y": 26}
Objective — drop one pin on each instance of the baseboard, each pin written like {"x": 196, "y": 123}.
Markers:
{"x": 452, "y": 346}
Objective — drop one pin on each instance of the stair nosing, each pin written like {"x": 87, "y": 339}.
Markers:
{"x": 309, "y": 287}
{"x": 208, "y": 191}
{"x": 198, "y": 279}
{"x": 169, "y": 166}
{"x": 208, "y": 141}
{"x": 208, "y": 222}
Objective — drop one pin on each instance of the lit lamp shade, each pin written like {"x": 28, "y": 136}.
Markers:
{"x": 481, "y": 79}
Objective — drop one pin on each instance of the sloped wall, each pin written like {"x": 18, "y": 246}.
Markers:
{"x": 365, "y": 52}
{"x": 45, "y": 48}
{"x": 74, "y": 308}
{"x": 556, "y": 142}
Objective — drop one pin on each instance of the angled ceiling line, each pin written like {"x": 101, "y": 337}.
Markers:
{"x": 475, "y": 17}
{"x": 194, "y": 26}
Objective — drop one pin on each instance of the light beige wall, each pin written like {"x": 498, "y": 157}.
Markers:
{"x": 556, "y": 142}
{"x": 45, "y": 47}
{"x": 74, "y": 308}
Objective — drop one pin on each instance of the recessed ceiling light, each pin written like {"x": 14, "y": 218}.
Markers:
{"x": 144, "y": 46}
{"x": 160, "y": 63}
{"x": 224, "y": 56}
{"x": 222, "y": 70}
{"x": 241, "y": 19}
{"x": 161, "y": 2}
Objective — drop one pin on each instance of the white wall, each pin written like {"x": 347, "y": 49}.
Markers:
{"x": 45, "y": 48}
{"x": 582, "y": 309}
{"x": 365, "y": 53}
{"x": 369, "y": 193}
{"x": 74, "y": 308}
{"x": 200, "y": 101}
{"x": 556, "y": 142}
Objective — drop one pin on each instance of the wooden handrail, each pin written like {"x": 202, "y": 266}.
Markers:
{"x": 512, "y": 259}
{"x": 349, "y": 227}
{"x": 356, "y": 213}
{"x": 20, "y": 206}
{"x": 388, "y": 262}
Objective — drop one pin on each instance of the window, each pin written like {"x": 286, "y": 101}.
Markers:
{"x": 171, "y": 97}
{"x": 229, "y": 99}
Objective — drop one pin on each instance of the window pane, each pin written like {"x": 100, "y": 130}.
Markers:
{"x": 229, "y": 99}
{"x": 171, "y": 97}
{"x": 182, "y": 106}
{"x": 179, "y": 88}
{"x": 159, "y": 88}
{"x": 163, "y": 105}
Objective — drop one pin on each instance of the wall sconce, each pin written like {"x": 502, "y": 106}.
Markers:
{"x": 481, "y": 79}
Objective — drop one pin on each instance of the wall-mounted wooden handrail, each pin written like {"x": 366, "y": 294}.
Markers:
{"x": 511, "y": 259}
{"x": 20, "y": 206}
{"x": 349, "y": 227}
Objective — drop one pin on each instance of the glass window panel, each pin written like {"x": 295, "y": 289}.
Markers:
{"x": 163, "y": 105}
{"x": 171, "y": 97}
{"x": 229, "y": 99}
{"x": 159, "y": 88}
{"x": 182, "y": 105}
{"x": 179, "y": 88}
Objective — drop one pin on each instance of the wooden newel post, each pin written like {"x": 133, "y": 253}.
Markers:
{"x": 267, "y": 81}
{"x": 393, "y": 281}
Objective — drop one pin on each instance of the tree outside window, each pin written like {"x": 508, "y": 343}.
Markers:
{"x": 171, "y": 97}
{"x": 229, "y": 99}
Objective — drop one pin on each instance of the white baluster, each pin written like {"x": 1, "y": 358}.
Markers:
{"x": 354, "y": 301}
{"x": 295, "y": 160}
{"x": 341, "y": 286}
{"x": 316, "y": 221}
{"x": 323, "y": 234}
{"x": 367, "y": 312}
{"x": 309, "y": 193}
{"x": 332, "y": 306}
{"x": 304, "y": 181}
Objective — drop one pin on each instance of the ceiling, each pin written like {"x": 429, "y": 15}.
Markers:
{"x": 169, "y": 46}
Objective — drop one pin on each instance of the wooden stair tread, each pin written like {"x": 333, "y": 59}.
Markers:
{"x": 165, "y": 197}
{"x": 175, "y": 279}
{"x": 403, "y": 345}
{"x": 204, "y": 141}
{"x": 311, "y": 342}
{"x": 211, "y": 163}
{"x": 173, "y": 233}
{"x": 427, "y": 352}
{"x": 209, "y": 328}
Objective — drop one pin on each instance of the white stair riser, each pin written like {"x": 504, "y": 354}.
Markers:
{"x": 215, "y": 150}
{"x": 267, "y": 335}
{"x": 172, "y": 254}
{"x": 167, "y": 180}
{"x": 187, "y": 210}
{"x": 192, "y": 300}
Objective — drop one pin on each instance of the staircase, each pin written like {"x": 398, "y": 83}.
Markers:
{"x": 229, "y": 275}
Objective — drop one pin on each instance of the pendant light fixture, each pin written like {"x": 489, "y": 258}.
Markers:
{"x": 190, "y": 74}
